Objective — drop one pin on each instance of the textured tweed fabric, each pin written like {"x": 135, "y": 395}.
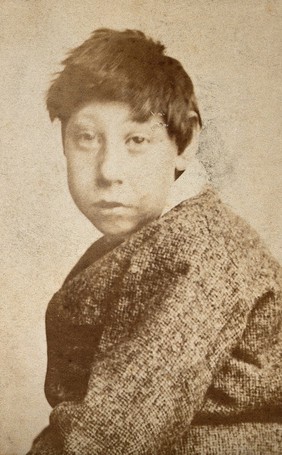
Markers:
{"x": 168, "y": 343}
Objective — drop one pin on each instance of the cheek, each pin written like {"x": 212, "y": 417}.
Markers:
{"x": 155, "y": 180}
{"x": 162, "y": 168}
{"x": 78, "y": 178}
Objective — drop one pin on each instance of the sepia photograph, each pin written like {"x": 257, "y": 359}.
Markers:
{"x": 141, "y": 227}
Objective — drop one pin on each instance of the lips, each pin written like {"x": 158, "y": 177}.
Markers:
{"x": 108, "y": 204}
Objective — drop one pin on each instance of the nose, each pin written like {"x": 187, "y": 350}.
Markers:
{"x": 111, "y": 163}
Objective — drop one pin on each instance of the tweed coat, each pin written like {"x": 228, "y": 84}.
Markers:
{"x": 168, "y": 343}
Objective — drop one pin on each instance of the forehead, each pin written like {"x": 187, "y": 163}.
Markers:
{"x": 109, "y": 115}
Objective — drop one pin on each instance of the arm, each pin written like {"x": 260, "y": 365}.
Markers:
{"x": 149, "y": 388}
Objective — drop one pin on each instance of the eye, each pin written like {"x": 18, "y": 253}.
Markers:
{"x": 87, "y": 139}
{"x": 87, "y": 136}
{"x": 138, "y": 139}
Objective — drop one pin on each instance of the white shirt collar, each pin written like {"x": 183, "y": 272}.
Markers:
{"x": 188, "y": 185}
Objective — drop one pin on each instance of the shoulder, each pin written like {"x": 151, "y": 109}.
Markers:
{"x": 207, "y": 234}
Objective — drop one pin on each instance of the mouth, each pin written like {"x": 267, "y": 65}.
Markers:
{"x": 109, "y": 204}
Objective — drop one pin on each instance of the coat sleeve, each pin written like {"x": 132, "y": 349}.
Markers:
{"x": 145, "y": 392}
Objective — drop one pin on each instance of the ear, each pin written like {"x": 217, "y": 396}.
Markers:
{"x": 63, "y": 132}
{"x": 183, "y": 159}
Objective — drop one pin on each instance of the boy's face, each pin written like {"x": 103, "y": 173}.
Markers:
{"x": 119, "y": 171}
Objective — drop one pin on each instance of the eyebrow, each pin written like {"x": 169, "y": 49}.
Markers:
{"x": 80, "y": 126}
{"x": 151, "y": 123}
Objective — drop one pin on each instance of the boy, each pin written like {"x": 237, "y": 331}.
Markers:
{"x": 164, "y": 338}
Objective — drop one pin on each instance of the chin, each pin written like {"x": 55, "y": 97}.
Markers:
{"x": 116, "y": 229}
{"x": 120, "y": 228}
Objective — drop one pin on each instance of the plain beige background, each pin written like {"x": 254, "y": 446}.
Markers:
{"x": 231, "y": 49}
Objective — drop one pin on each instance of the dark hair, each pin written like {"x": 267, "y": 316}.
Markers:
{"x": 126, "y": 66}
